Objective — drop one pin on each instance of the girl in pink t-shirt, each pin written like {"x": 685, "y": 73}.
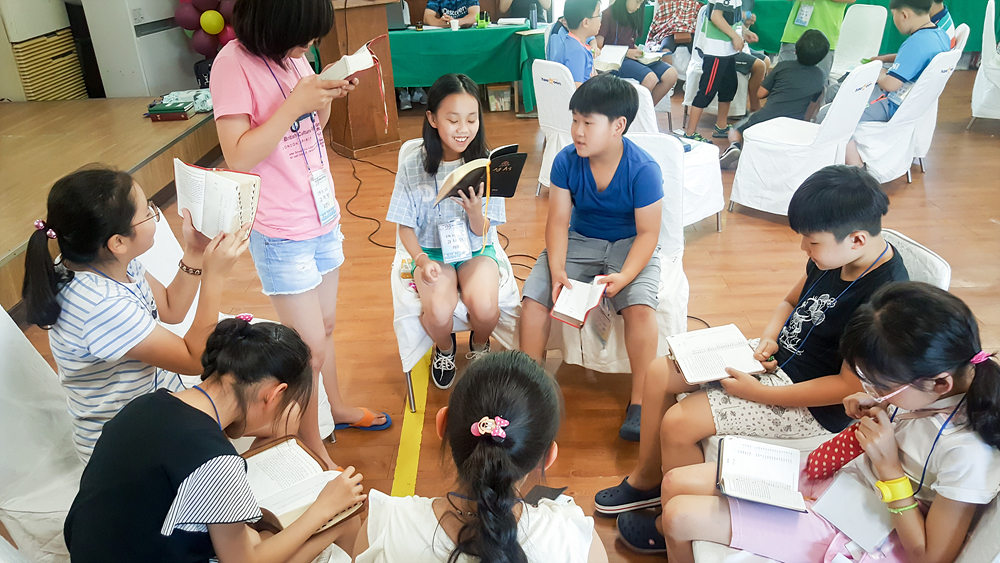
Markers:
{"x": 270, "y": 111}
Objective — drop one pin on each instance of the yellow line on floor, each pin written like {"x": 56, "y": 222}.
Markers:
{"x": 404, "y": 482}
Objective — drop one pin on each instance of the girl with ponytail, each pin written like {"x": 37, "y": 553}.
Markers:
{"x": 500, "y": 424}
{"x": 100, "y": 305}
{"x": 929, "y": 430}
{"x": 166, "y": 484}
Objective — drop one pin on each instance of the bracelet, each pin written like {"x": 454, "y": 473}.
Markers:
{"x": 903, "y": 509}
{"x": 417, "y": 259}
{"x": 188, "y": 270}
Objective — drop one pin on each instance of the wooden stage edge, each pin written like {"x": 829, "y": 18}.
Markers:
{"x": 196, "y": 144}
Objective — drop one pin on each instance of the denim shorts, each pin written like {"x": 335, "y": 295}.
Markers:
{"x": 288, "y": 267}
{"x": 637, "y": 71}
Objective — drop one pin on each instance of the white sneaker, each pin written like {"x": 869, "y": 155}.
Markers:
{"x": 419, "y": 96}
{"x": 404, "y": 99}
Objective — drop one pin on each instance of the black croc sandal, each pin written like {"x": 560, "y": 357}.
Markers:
{"x": 637, "y": 530}
{"x": 630, "y": 428}
{"x": 625, "y": 498}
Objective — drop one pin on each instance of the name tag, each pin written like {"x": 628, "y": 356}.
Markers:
{"x": 603, "y": 321}
{"x": 455, "y": 244}
{"x": 326, "y": 204}
{"x": 804, "y": 15}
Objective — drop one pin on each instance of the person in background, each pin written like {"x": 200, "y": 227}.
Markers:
{"x": 942, "y": 18}
{"x": 719, "y": 41}
{"x": 571, "y": 43}
{"x": 673, "y": 26}
{"x": 826, "y": 16}
{"x": 441, "y": 12}
{"x": 522, "y": 8}
{"x": 620, "y": 25}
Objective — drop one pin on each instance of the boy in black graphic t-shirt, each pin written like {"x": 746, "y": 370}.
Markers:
{"x": 838, "y": 211}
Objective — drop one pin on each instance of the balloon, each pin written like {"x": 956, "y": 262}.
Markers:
{"x": 189, "y": 33}
{"x": 187, "y": 16}
{"x": 205, "y": 5}
{"x": 212, "y": 22}
{"x": 226, "y": 9}
{"x": 205, "y": 44}
{"x": 226, "y": 35}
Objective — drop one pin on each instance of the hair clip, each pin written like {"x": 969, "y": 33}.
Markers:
{"x": 245, "y": 317}
{"x": 40, "y": 225}
{"x": 491, "y": 427}
{"x": 981, "y": 357}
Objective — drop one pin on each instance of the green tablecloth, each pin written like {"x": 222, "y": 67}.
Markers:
{"x": 488, "y": 55}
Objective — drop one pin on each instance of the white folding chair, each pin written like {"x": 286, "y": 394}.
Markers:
{"x": 582, "y": 346}
{"x": 923, "y": 132}
{"x": 39, "y": 467}
{"x": 986, "y": 89}
{"x": 645, "y": 118}
{"x": 548, "y": 33}
{"x": 922, "y": 264}
{"x": 888, "y": 148}
{"x": 554, "y": 86}
{"x": 779, "y": 154}
{"x": 703, "y": 195}
{"x": 860, "y": 37}
{"x": 693, "y": 77}
{"x": 412, "y": 340}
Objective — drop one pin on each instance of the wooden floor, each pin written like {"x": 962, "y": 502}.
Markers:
{"x": 736, "y": 276}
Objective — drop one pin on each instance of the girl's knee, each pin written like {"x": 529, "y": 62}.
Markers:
{"x": 673, "y": 428}
{"x": 484, "y": 311}
{"x": 650, "y": 81}
{"x": 675, "y": 518}
{"x": 669, "y": 486}
{"x": 439, "y": 314}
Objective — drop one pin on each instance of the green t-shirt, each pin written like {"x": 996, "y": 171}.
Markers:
{"x": 827, "y": 16}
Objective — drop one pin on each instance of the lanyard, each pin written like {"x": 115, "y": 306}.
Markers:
{"x": 295, "y": 126}
{"x": 209, "y": 397}
{"x": 934, "y": 444}
{"x": 145, "y": 304}
{"x": 807, "y": 293}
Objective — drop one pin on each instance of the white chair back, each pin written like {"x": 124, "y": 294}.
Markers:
{"x": 669, "y": 155}
{"x": 847, "y": 107}
{"x": 922, "y": 264}
{"x": 645, "y": 118}
{"x": 406, "y": 149}
{"x": 548, "y": 33}
{"x": 962, "y": 37}
{"x": 554, "y": 86}
{"x": 860, "y": 37}
{"x": 990, "y": 54}
{"x": 927, "y": 88}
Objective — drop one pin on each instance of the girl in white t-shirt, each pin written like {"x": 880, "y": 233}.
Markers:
{"x": 100, "y": 305}
{"x": 930, "y": 432}
{"x": 500, "y": 423}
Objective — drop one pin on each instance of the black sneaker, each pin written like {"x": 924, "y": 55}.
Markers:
{"x": 476, "y": 354}
{"x": 443, "y": 366}
{"x": 730, "y": 157}
{"x": 625, "y": 498}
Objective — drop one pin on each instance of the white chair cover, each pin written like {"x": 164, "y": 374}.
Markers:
{"x": 923, "y": 133}
{"x": 860, "y": 37}
{"x": 582, "y": 346}
{"x": 645, "y": 118}
{"x": 888, "y": 148}
{"x": 922, "y": 264}
{"x": 779, "y": 154}
{"x": 554, "y": 87}
{"x": 161, "y": 263}
{"x": 39, "y": 467}
{"x": 986, "y": 90}
{"x": 702, "y": 183}
{"x": 412, "y": 340}
{"x": 10, "y": 555}
{"x": 693, "y": 76}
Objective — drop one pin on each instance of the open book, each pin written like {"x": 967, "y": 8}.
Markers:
{"x": 575, "y": 302}
{"x": 649, "y": 57}
{"x": 220, "y": 201}
{"x": 703, "y": 355}
{"x": 505, "y": 165}
{"x": 351, "y": 65}
{"x": 611, "y": 58}
{"x": 760, "y": 472}
{"x": 287, "y": 478}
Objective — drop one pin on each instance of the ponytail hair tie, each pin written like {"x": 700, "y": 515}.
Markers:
{"x": 491, "y": 427}
{"x": 40, "y": 226}
{"x": 245, "y": 317}
{"x": 981, "y": 357}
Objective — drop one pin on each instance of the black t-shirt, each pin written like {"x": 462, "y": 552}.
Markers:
{"x": 140, "y": 472}
{"x": 522, "y": 9}
{"x": 812, "y": 332}
{"x": 791, "y": 87}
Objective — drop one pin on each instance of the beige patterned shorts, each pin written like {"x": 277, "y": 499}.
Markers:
{"x": 739, "y": 417}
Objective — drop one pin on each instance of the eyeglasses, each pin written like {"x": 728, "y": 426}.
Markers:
{"x": 154, "y": 213}
{"x": 873, "y": 392}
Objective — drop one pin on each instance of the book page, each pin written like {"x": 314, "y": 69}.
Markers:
{"x": 248, "y": 195}
{"x": 348, "y": 65}
{"x": 757, "y": 490}
{"x": 611, "y": 57}
{"x": 708, "y": 340}
{"x": 190, "y": 183}
{"x": 703, "y": 355}
{"x": 299, "y": 495}
{"x": 775, "y": 465}
{"x": 280, "y": 467}
{"x": 574, "y": 302}
{"x": 219, "y": 213}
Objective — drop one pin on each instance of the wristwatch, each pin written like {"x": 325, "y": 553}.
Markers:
{"x": 894, "y": 490}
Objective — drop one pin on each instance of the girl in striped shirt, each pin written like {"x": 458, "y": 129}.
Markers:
{"x": 100, "y": 305}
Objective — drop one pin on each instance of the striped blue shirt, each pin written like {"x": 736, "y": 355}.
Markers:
{"x": 100, "y": 322}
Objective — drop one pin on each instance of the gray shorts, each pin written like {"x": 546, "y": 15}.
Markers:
{"x": 745, "y": 61}
{"x": 587, "y": 258}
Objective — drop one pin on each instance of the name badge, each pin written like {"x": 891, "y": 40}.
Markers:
{"x": 455, "y": 244}
{"x": 603, "y": 321}
{"x": 804, "y": 15}
{"x": 326, "y": 204}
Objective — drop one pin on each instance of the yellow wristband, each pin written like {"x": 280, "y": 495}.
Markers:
{"x": 895, "y": 489}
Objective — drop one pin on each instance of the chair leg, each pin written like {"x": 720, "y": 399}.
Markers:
{"x": 909, "y": 177}
{"x": 409, "y": 392}
{"x": 670, "y": 121}
{"x": 538, "y": 190}
{"x": 921, "y": 161}
{"x": 718, "y": 220}
{"x": 731, "y": 204}
{"x": 971, "y": 121}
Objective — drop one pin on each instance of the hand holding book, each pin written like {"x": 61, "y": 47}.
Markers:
{"x": 473, "y": 206}
{"x": 338, "y": 495}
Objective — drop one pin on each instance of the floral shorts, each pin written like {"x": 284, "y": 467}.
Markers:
{"x": 739, "y": 417}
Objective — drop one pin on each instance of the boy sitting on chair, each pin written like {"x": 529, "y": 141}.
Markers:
{"x": 568, "y": 43}
{"x": 604, "y": 219}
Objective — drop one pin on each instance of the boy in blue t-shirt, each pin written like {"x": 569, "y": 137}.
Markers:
{"x": 568, "y": 44}
{"x": 604, "y": 219}
{"x": 441, "y": 12}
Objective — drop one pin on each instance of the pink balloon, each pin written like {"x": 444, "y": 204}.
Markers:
{"x": 205, "y": 44}
{"x": 187, "y": 16}
{"x": 205, "y": 5}
{"x": 226, "y": 9}
{"x": 226, "y": 35}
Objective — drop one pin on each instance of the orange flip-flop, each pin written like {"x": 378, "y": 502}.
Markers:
{"x": 366, "y": 422}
